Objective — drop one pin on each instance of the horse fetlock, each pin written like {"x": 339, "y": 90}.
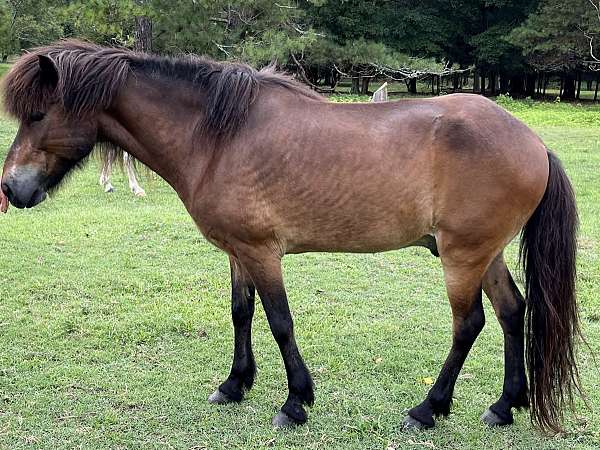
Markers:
{"x": 234, "y": 389}
{"x": 439, "y": 403}
{"x": 420, "y": 417}
{"x": 249, "y": 374}
{"x": 302, "y": 386}
{"x": 294, "y": 410}
{"x": 521, "y": 400}
{"x": 138, "y": 191}
{"x": 432, "y": 406}
{"x": 282, "y": 420}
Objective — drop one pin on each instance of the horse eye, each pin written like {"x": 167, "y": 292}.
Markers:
{"x": 36, "y": 116}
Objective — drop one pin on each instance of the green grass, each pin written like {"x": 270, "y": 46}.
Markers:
{"x": 114, "y": 328}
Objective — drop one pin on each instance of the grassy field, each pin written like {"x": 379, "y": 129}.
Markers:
{"x": 114, "y": 328}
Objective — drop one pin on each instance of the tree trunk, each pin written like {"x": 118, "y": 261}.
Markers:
{"x": 517, "y": 85}
{"x": 483, "y": 81}
{"x": 596, "y": 93}
{"x": 143, "y": 34}
{"x": 412, "y": 86}
{"x": 562, "y": 86}
{"x": 432, "y": 85}
{"x": 493, "y": 83}
{"x": 364, "y": 89}
{"x": 328, "y": 78}
{"x": 355, "y": 85}
{"x": 579, "y": 79}
{"x": 504, "y": 84}
{"x": 546, "y": 81}
{"x": 530, "y": 79}
{"x": 569, "y": 89}
{"x": 439, "y": 80}
{"x": 476, "y": 82}
{"x": 455, "y": 81}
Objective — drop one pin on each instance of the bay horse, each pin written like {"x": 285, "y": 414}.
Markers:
{"x": 267, "y": 167}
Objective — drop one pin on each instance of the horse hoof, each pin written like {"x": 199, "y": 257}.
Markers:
{"x": 140, "y": 194}
{"x": 492, "y": 419}
{"x": 218, "y": 398}
{"x": 412, "y": 424}
{"x": 282, "y": 420}
{"x": 109, "y": 190}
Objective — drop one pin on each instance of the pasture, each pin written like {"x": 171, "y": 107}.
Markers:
{"x": 115, "y": 327}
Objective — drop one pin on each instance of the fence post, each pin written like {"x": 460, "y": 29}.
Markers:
{"x": 381, "y": 94}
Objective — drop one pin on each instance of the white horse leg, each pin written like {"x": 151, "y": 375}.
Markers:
{"x": 106, "y": 172}
{"x": 133, "y": 182}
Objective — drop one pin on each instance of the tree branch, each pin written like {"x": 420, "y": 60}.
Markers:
{"x": 305, "y": 79}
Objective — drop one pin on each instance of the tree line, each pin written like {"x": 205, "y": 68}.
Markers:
{"x": 498, "y": 46}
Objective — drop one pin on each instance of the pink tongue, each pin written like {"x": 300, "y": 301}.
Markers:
{"x": 3, "y": 202}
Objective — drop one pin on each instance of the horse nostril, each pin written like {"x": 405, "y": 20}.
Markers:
{"x": 6, "y": 189}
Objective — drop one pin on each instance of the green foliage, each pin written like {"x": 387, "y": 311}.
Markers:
{"x": 553, "y": 37}
{"x": 357, "y": 37}
{"x": 28, "y": 23}
{"x": 103, "y": 21}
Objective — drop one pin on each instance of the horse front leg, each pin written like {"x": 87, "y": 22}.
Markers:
{"x": 265, "y": 270}
{"x": 243, "y": 368}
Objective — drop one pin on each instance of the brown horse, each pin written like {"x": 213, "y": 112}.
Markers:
{"x": 266, "y": 167}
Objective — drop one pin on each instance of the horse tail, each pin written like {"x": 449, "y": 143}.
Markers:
{"x": 548, "y": 252}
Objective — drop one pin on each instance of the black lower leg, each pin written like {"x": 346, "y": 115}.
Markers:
{"x": 300, "y": 385}
{"x": 269, "y": 283}
{"x": 514, "y": 392}
{"x": 439, "y": 398}
{"x": 243, "y": 368}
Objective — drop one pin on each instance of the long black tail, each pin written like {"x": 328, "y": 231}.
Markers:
{"x": 548, "y": 256}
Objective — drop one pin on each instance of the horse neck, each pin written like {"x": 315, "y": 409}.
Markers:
{"x": 155, "y": 121}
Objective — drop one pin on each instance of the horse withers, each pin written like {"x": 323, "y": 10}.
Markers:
{"x": 266, "y": 167}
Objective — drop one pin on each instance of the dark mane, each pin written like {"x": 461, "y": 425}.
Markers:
{"x": 90, "y": 77}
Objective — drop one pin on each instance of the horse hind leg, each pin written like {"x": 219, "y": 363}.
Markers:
{"x": 463, "y": 273}
{"x": 509, "y": 307}
{"x": 133, "y": 182}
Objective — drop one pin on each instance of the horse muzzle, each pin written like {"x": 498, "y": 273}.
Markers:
{"x": 23, "y": 187}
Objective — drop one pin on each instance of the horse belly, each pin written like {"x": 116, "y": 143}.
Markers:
{"x": 359, "y": 230}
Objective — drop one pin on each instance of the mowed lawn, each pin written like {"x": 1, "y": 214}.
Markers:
{"x": 115, "y": 327}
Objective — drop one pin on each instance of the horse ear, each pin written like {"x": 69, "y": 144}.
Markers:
{"x": 48, "y": 71}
